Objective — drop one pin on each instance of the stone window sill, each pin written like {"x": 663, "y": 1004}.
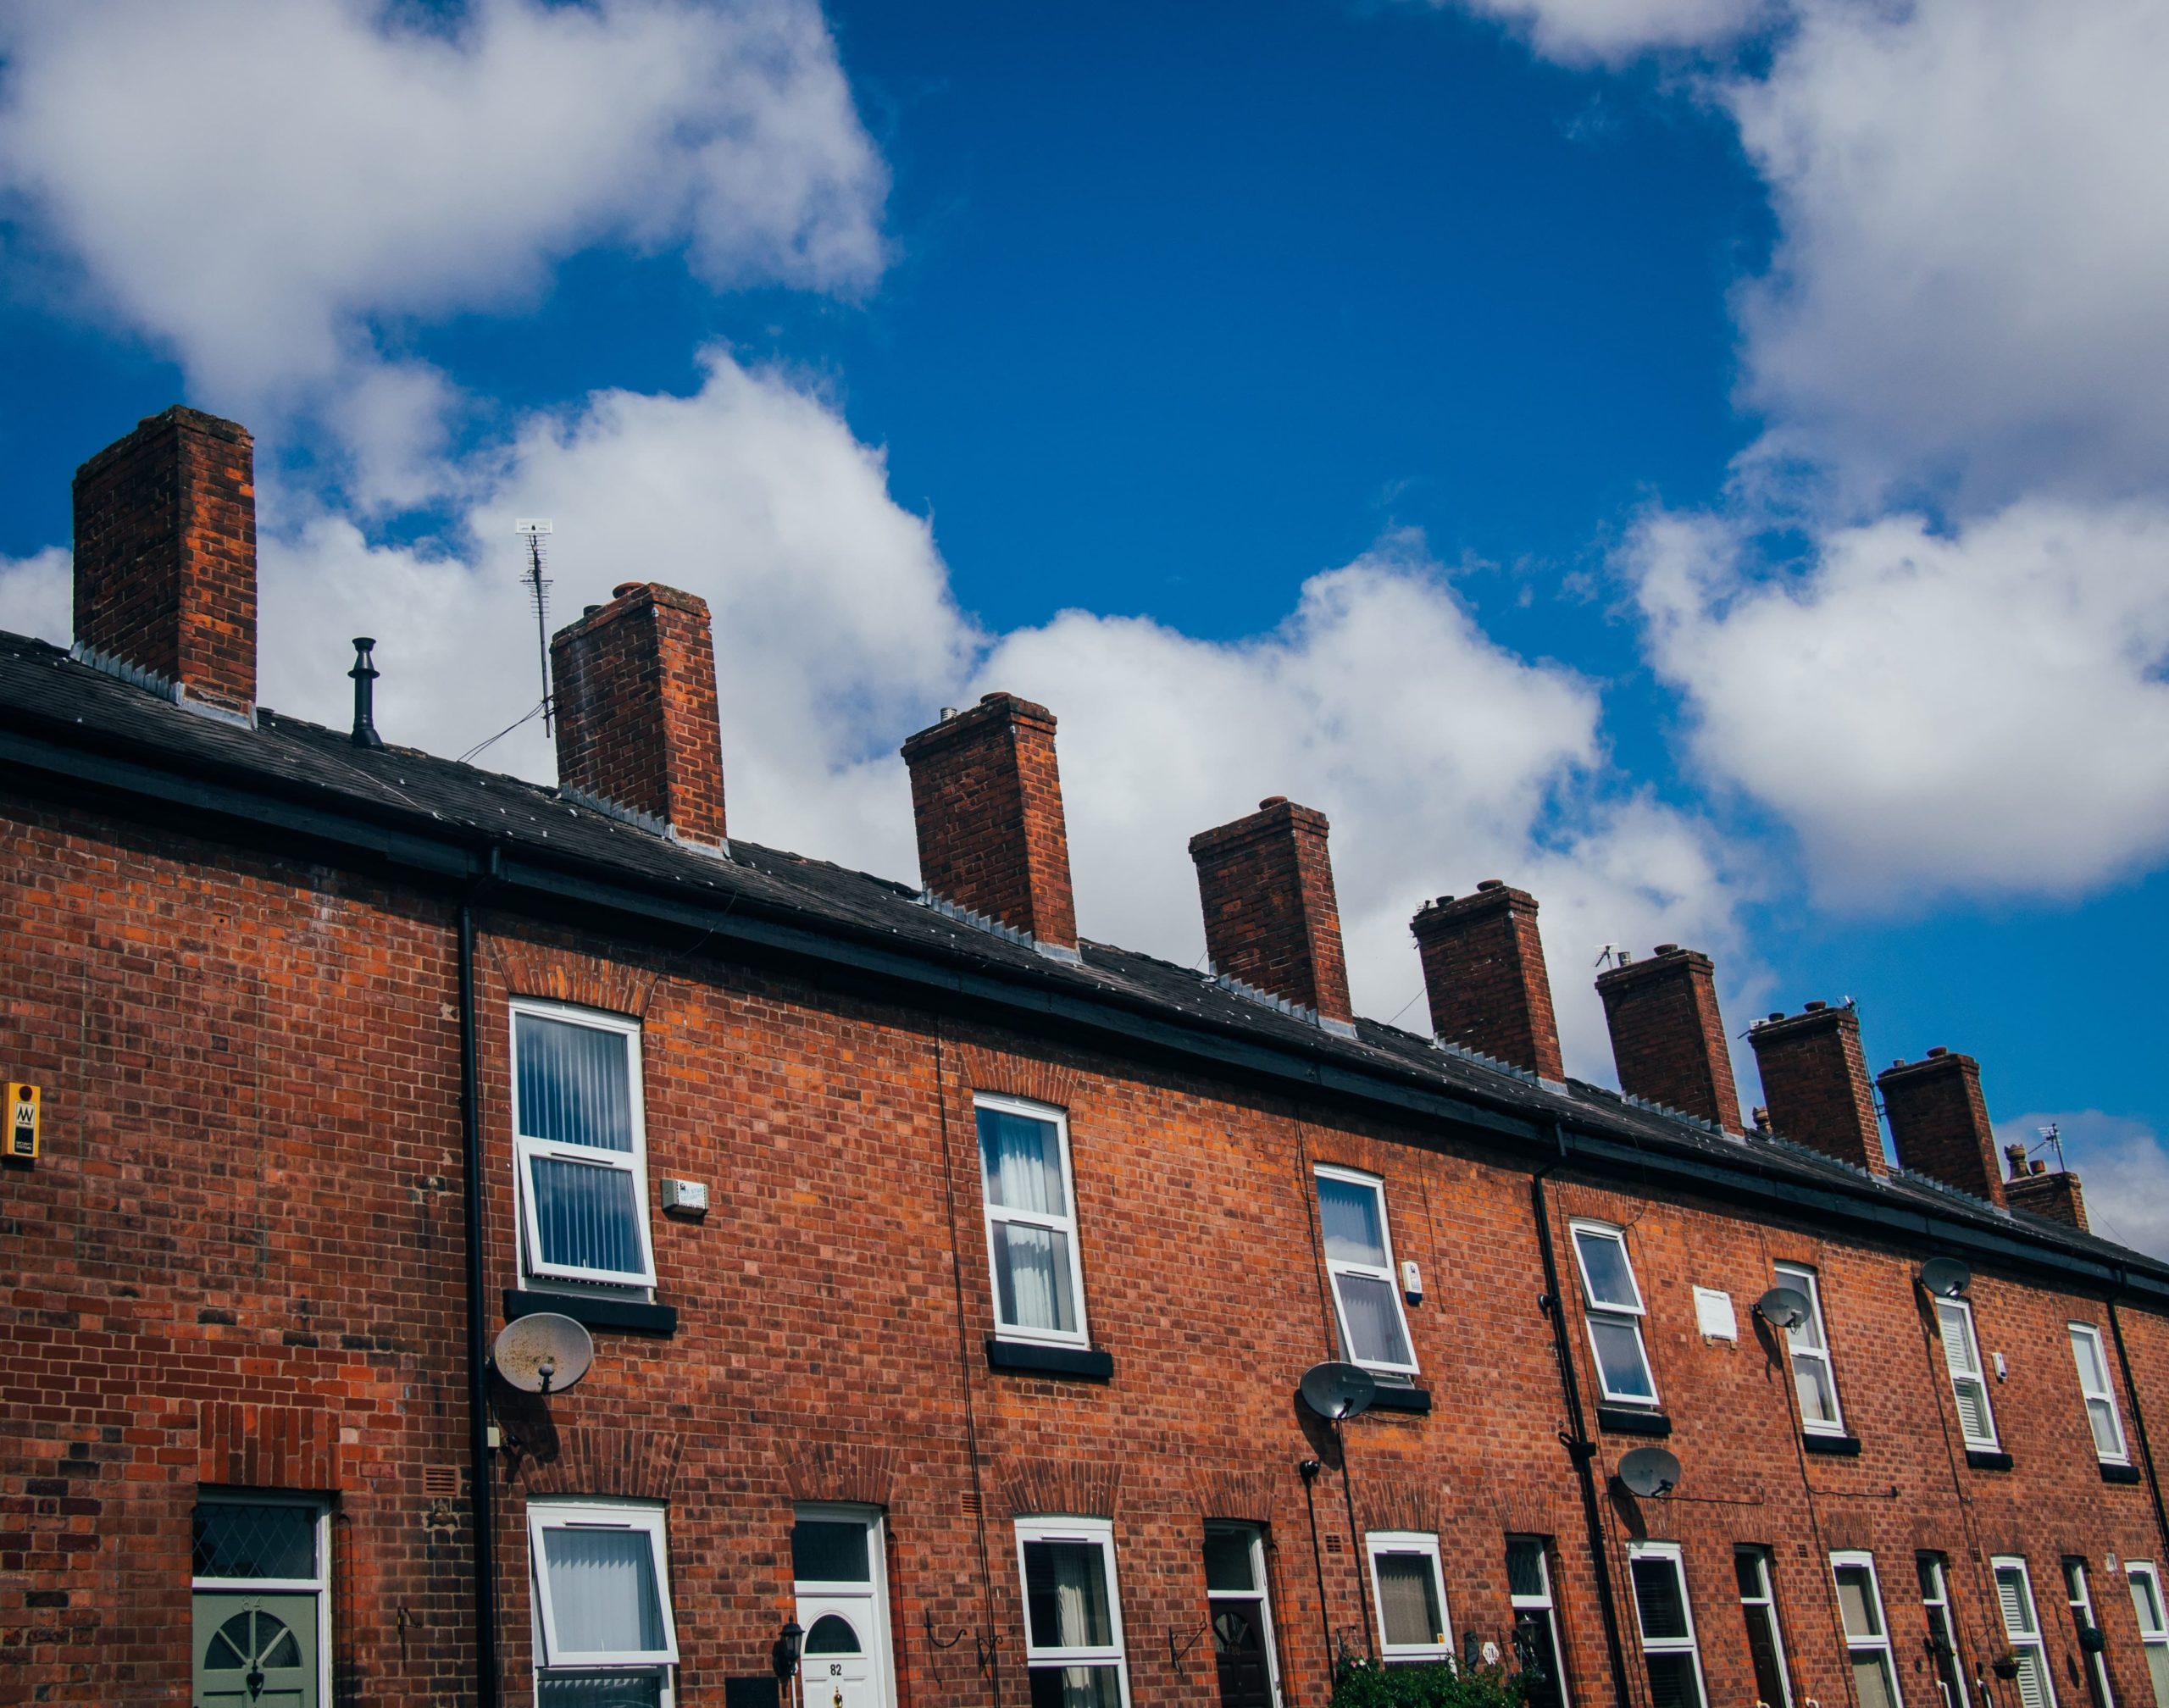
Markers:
{"x": 1085, "y": 1363}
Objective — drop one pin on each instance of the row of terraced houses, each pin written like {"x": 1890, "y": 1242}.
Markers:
{"x": 950, "y": 1276}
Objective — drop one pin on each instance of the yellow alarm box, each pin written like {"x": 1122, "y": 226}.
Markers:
{"x": 22, "y": 1123}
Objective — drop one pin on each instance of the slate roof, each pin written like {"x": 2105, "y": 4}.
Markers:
{"x": 60, "y": 702}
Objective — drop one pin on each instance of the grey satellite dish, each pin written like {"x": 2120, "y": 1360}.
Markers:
{"x": 542, "y": 1354}
{"x": 1338, "y": 1390}
{"x": 1783, "y": 1307}
{"x": 1650, "y": 1471}
{"x": 1946, "y": 1278}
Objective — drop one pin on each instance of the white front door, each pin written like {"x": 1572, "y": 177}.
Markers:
{"x": 839, "y": 1661}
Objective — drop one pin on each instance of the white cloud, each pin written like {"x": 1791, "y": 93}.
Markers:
{"x": 37, "y": 596}
{"x": 1971, "y": 283}
{"x": 2123, "y": 1169}
{"x": 1616, "y": 30}
{"x": 263, "y": 188}
{"x": 1979, "y": 712}
{"x": 1440, "y": 759}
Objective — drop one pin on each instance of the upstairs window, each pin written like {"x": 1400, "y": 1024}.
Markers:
{"x": 2101, "y": 1396}
{"x": 1359, "y": 1257}
{"x": 1615, "y": 1315}
{"x": 2022, "y": 1625}
{"x": 1867, "y": 1634}
{"x": 1813, "y": 1379}
{"x": 603, "y": 1631}
{"x": 1667, "y": 1624}
{"x": 1411, "y": 1595}
{"x": 1031, "y": 1222}
{"x": 1961, "y": 1356}
{"x": 1073, "y": 1616}
{"x": 578, "y": 1145}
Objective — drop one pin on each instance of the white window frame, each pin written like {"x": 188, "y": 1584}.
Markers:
{"x": 1689, "y": 1645}
{"x": 1845, "y": 1557}
{"x": 2156, "y": 1635}
{"x": 2020, "y": 1641}
{"x": 1336, "y": 1268}
{"x": 319, "y": 1586}
{"x": 2078, "y": 1591}
{"x": 1420, "y": 1542}
{"x": 1067, "y": 1225}
{"x": 526, "y": 1151}
{"x": 1097, "y": 1533}
{"x": 1942, "y": 1623}
{"x": 1803, "y": 1279}
{"x": 1634, "y": 1316}
{"x": 597, "y": 1515}
{"x": 1969, "y": 1342}
{"x": 1546, "y": 1605}
{"x": 2105, "y": 1398}
{"x": 1766, "y": 1599}
{"x": 1255, "y": 1535}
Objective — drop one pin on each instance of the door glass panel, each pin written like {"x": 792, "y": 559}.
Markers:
{"x": 1228, "y": 1562}
{"x": 829, "y": 1550}
{"x": 1524, "y": 1566}
{"x": 235, "y": 1539}
{"x": 831, "y": 1635}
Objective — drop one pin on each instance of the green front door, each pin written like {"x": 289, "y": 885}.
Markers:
{"x": 255, "y": 1650}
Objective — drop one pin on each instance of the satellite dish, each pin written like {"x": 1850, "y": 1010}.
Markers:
{"x": 1946, "y": 1278}
{"x": 1650, "y": 1471}
{"x": 542, "y": 1354}
{"x": 1783, "y": 1307}
{"x": 1338, "y": 1390}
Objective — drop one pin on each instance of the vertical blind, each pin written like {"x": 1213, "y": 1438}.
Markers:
{"x": 1408, "y": 1599}
{"x": 2016, "y": 1600}
{"x": 575, "y": 1084}
{"x": 576, "y": 1091}
{"x": 603, "y": 1592}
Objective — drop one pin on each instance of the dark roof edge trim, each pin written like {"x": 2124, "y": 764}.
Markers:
{"x": 454, "y": 857}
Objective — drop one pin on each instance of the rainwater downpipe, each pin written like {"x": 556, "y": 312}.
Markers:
{"x": 478, "y": 1321}
{"x": 2139, "y": 1417}
{"x": 1576, "y": 1438}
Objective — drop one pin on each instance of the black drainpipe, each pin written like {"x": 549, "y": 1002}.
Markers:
{"x": 1576, "y": 1438}
{"x": 2139, "y": 1418}
{"x": 478, "y": 1320}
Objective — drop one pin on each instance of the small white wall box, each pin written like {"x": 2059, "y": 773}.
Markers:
{"x": 684, "y": 1197}
{"x": 1412, "y": 1282}
{"x": 2002, "y": 1371}
{"x": 22, "y": 1123}
{"x": 1714, "y": 1315}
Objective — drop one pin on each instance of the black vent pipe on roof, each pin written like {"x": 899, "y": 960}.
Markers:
{"x": 364, "y": 674}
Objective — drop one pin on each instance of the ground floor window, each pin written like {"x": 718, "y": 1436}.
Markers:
{"x": 604, "y": 1637}
{"x": 1072, "y": 1613}
{"x": 2022, "y": 1625}
{"x": 261, "y": 1635}
{"x": 1867, "y": 1633}
{"x": 1410, "y": 1593}
{"x": 1666, "y": 1622}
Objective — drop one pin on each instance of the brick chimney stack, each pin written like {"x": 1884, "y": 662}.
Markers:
{"x": 986, "y": 797}
{"x": 1483, "y": 973}
{"x": 2034, "y": 1189}
{"x": 1816, "y": 1080}
{"x": 165, "y": 557}
{"x": 634, "y": 684}
{"x": 1939, "y": 1122}
{"x": 1271, "y": 918}
{"x": 1668, "y": 1038}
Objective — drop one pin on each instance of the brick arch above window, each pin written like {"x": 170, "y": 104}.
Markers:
{"x": 846, "y": 1472}
{"x": 1016, "y": 1076}
{"x": 628, "y": 1464}
{"x": 1244, "y": 1495}
{"x": 1528, "y": 1508}
{"x": 562, "y": 975}
{"x": 1847, "y": 1533}
{"x": 244, "y": 1446}
{"x": 1073, "y": 1490}
{"x": 1402, "y": 1506}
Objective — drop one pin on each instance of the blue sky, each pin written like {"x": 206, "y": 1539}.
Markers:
{"x": 1697, "y": 458}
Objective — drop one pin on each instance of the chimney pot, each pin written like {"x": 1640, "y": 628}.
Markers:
{"x": 1816, "y": 1078}
{"x": 634, "y": 694}
{"x": 986, "y": 798}
{"x": 1483, "y": 973}
{"x": 1271, "y": 916}
{"x": 1777, "y": 1014}
{"x": 1939, "y": 1122}
{"x": 165, "y": 556}
{"x": 1668, "y": 1036}
{"x": 1492, "y": 884}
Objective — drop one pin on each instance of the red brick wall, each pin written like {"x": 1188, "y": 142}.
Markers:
{"x": 165, "y": 554}
{"x": 1667, "y": 1037}
{"x": 986, "y": 797}
{"x": 1815, "y": 1082}
{"x": 1939, "y": 1124}
{"x": 1485, "y": 977}
{"x": 1270, "y": 917}
{"x": 241, "y": 1257}
{"x": 633, "y": 686}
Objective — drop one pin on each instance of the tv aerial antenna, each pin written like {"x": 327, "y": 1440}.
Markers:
{"x": 534, "y": 531}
